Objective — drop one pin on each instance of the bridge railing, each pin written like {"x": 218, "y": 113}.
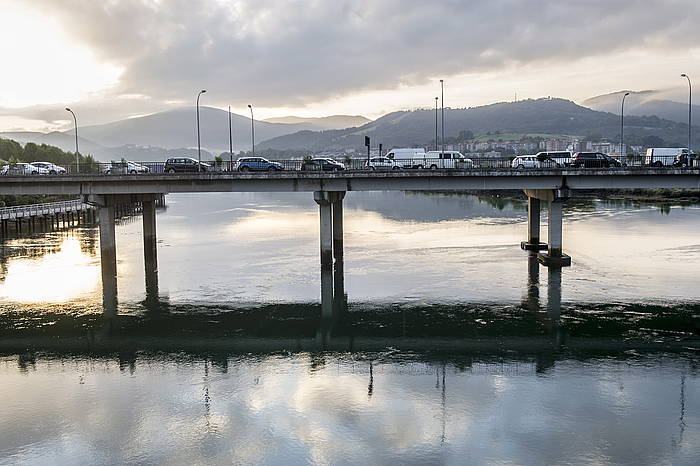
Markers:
{"x": 43, "y": 208}
{"x": 373, "y": 164}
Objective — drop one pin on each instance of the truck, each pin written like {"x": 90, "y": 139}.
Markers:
{"x": 666, "y": 156}
{"x": 403, "y": 157}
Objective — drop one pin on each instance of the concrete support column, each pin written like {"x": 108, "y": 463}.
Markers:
{"x": 533, "y": 242}
{"x": 554, "y": 257}
{"x": 337, "y": 212}
{"x": 150, "y": 253}
{"x": 326, "y": 229}
{"x": 108, "y": 259}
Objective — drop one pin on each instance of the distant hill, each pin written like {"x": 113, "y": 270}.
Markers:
{"x": 178, "y": 128}
{"x": 328, "y": 122}
{"x": 64, "y": 141}
{"x": 643, "y": 103}
{"x": 542, "y": 116}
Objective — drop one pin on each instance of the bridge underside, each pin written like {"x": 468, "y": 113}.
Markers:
{"x": 310, "y": 182}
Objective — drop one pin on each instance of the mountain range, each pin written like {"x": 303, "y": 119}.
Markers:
{"x": 641, "y": 103}
{"x": 175, "y": 131}
{"x": 534, "y": 116}
{"x": 328, "y": 122}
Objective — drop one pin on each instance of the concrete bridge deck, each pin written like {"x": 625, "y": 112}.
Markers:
{"x": 297, "y": 181}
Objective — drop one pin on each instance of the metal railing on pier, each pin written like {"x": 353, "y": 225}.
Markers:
{"x": 45, "y": 208}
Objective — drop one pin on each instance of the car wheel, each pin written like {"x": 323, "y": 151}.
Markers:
{"x": 396, "y": 167}
{"x": 52, "y": 172}
{"x": 244, "y": 168}
{"x": 658, "y": 164}
{"x": 433, "y": 167}
{"x": 272, "y": 169}
{"x": 520, "y": 167}
{"x": 170, "y": 170}
{"x": 419, "y": 167}
{"x": 133, "y": 172}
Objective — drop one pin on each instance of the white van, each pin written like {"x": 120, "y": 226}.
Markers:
{"x": 436, "y": 159}
{"x": 404, "y": 157}
{"x": 664, "y": 156}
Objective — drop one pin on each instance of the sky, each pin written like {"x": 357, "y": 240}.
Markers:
{"x": 115, "y": 59}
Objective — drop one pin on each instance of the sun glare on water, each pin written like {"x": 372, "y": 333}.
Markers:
{"x": 56, "y": 277}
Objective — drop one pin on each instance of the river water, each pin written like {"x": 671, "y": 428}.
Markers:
{"x": 436, "y": 341}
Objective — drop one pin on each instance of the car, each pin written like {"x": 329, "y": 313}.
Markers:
{"x": 559, "y": 158}
{"x": 436, "y": 159}
{"x": 125, "y": 167}
{"x": 382, "y": 163}
{"x": 22, "y": 168}
{"x": 593, "y": 160}
{"x": 322, "y": 164}
{"x": 246, "y": 164}
{"x": 53, "y": 169}
{"x": 526, "y": 161}
{"x": 184, "y": 164}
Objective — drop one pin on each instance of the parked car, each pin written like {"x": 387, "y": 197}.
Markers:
{"x": 246, "y": 164}
{"x": 53, "y": 169}
{"x": 125, "y": 167}
{"x": 382, "y": 163}
{"x": 404, "y": 156}
{"x": 322, "y": 164}
{"x": 664, "y": 156}
{"x": 436, "y": 159}
{"x": 593, "y": 160}
{"x": 22, "y": 168}
{"x": 184, "y": 164}
{"x": 684, "y": 160}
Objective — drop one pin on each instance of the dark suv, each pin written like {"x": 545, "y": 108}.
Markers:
{"x": 184, "y": 164}
{"x": 593, "y": 160}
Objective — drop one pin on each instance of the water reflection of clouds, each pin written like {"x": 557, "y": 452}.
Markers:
{"x": 274, "y": 408}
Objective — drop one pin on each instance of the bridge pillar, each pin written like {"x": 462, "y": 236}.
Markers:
{"x": 330, "y": 205}
{"x": 337, "y": 212}
{"x": 533, "y": 226}
{"x": 554, "y": 257}
{"x": 108, "y": 259}
{"x": 150, "y": 253}
{"x": 326, "y": 228}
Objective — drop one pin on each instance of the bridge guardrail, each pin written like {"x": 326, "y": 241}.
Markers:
{"x": 43, "y": 208}
{"x": 361, "y": 164}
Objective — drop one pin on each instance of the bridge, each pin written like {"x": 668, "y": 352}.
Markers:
{"x": 552, "y": 186}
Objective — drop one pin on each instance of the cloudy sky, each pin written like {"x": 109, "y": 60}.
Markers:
{"x": 113, "y": 59}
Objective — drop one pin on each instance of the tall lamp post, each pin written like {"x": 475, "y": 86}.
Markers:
{"x": 230, "y": 138}
{"x": 442, "y": 113}
{"x": 690, "y": 108}
{"x": 199, "y": 143}
{"x": 622, "y": 124}
{"x": 252, "y": 128}
{"x": 436, "y": 123}
{"x": 75, "y": 122}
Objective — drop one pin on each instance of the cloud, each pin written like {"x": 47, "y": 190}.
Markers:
{"x": 297, "y": 52}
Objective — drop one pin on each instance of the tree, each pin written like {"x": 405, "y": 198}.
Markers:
{"x": 653, "y": 141}
{"x": 465, "y": 135}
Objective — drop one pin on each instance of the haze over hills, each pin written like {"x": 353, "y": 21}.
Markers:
{"x": 327, "y": 122}
{"x": 547, "y": 115}
{"x": 663, "y": 104}
{"x": 64, "y": 141}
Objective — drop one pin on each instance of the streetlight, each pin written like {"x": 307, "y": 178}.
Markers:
{"x": 436, "y": 123}
{"x": 690, "y": 107}
{"x": 622, "y": 124}
{"x": 442, "y": 113}
{"x": 252, "y": 127}
{"x": 230, "y": 138}
{"x": 75, "y": 122}
{"x": 199, "y": 144}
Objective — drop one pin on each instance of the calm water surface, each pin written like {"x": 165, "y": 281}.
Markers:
{"x": 436, "y": 341}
